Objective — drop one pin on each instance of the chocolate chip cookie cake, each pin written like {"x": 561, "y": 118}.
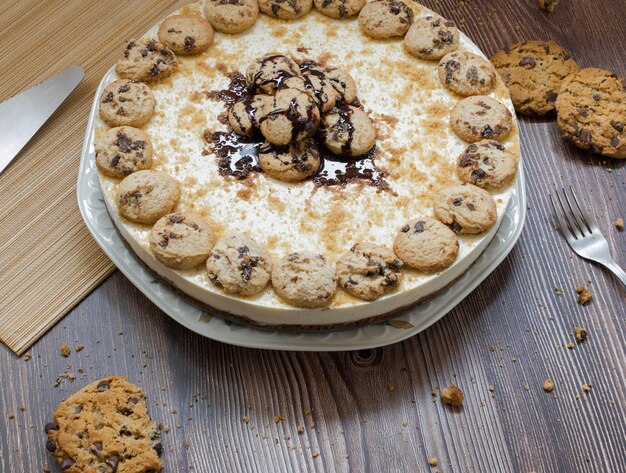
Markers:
{"x": 306, "y": 165}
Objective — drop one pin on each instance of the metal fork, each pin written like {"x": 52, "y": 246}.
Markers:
{"x": 581, "y": 231}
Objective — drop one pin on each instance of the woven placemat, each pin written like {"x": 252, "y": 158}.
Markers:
{"x": 48, "y": 260}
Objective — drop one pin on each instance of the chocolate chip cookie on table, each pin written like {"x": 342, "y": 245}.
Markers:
{"x": 534, "y": 72}
{"x": 591, "y": 112}
{"x": 104, "y": 428}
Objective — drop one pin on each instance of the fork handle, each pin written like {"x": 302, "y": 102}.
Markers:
{"x": 619, "y": 272}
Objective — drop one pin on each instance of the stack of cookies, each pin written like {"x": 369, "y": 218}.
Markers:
{"x": 295, "y": 107}
{"x": 590, "y": 104}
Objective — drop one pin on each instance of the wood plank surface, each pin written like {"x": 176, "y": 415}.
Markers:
{"x": 371, "y": 410}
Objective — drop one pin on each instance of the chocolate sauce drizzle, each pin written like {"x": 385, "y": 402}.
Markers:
{"x": 238, "y": 156}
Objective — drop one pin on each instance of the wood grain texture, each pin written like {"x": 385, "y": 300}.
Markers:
{"x": 370, "y": 410}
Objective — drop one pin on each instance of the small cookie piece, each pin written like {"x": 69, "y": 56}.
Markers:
{"x": 479, "y": 117}
{"x": 145, "y": 196}
{"x": 426, "y": 244}
{"x": 268, "y": 73}
{"x": 339, "y": 8}
{"x": 548, "y": 6}
{"x": 534, "y": 72}
{"x": 147, "y": 60}
{"x": 239, "y": 265}
{"x": 105, "y": 427}
{"x": 486, "y": 164}
{"x": 305, "y": 280}
{"x": 369, "y": 271}
{"x": 122, "y": 151}
{"x": 381, "y": 19}
{"x": 181, "y": 240}
{"x": 231, "y": 16}
{"x": 431, "y": 38}
{"x": 591, "y": 112}
{"x": 244, "y": 116}
{"x": 452, "y": 396}
{"x": 347, "y": 131}
{"x": 186, "y": 34}
{"x": 290, "y": 163}
{"x": 465, "y": 208}
{"x": 466, "y": 73}
{"x": 125, "y": 102}
{"x": 292, "y": 116}
{"x": 285, "y": 9}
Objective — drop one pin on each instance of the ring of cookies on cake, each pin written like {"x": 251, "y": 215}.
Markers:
{"x": 298, "y": 109}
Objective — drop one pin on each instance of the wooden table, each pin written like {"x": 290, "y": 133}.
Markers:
{"x": 371, "y": 410}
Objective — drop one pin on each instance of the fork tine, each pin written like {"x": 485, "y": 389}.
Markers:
{"x": 589, "y": 222}
{"x": 574, "y": 215}
{"x": 567, "y": 212}
{"x": 558, "y": 211}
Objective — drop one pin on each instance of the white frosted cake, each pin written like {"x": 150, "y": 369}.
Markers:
{"x": 415, "y": 156}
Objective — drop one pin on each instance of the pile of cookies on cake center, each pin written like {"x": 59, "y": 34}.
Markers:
{"x": 296, "y": 107}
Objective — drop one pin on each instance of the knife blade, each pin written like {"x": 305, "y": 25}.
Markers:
{"x": 24, "y": 114}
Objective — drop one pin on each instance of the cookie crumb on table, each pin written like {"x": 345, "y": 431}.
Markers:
{"x": 619, "y": 223}
{"x": 548, "y": 6}
{"x": 584, "y": 294}
{"x": 452, "y": 395}
{"x": 79, "y": 347}
{"x": 570, "y": 346}
{"x": 581, "y": 334}
{"x": 548, "y": 385}
{"x": 432, "y": 461}
{"x": 65, "y": 350}
{"x": 27, "y": 356}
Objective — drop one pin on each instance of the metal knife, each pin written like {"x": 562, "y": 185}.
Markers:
{"x": 25, "y": 113}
